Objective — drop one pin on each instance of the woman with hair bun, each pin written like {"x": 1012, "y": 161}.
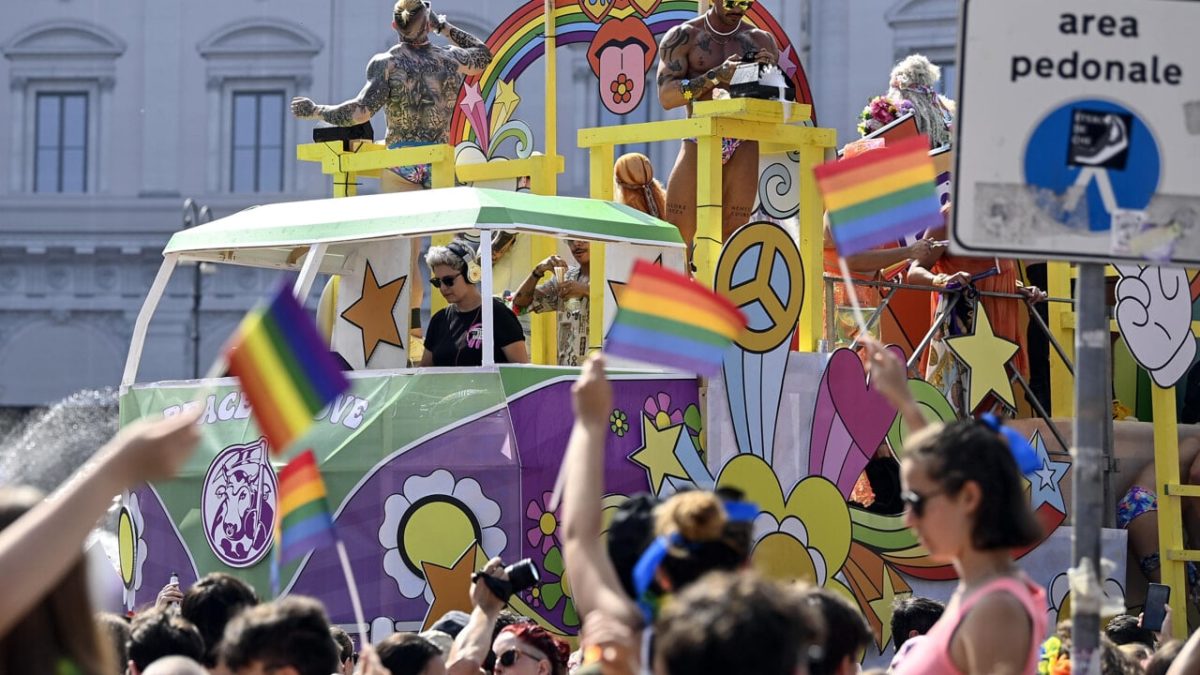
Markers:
{"x": 635, "y": 185}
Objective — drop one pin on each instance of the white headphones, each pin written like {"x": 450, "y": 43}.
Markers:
{"x": 473, "y": 274}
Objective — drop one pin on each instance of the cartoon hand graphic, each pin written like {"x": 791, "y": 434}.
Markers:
{"x": 1154, "y": 312}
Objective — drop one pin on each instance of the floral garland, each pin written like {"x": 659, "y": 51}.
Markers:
{"x": 1055, "y": 658}
{"x": 880, "y": 112}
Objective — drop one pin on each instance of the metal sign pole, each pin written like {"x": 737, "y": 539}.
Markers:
{"x": 1092, "y": 432}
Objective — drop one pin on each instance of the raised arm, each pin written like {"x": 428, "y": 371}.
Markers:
{"x": 673, "y": 66}
{"x": 358, "y": 109}
{"x": 51, "y": 534}
{"x": 471, "y": 53}
{"x": 593, "y": 578}
{"x": 474, "y": 642}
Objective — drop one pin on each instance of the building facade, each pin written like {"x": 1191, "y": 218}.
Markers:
{"x": 118, "y": 111}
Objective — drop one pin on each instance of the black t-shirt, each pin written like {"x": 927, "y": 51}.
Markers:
{"x": 456, "y": 338}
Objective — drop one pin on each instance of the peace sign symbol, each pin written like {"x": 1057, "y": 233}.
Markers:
{"x": 761, "y": 272}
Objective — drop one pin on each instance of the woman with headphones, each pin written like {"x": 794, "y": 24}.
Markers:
{"x": 454, "y": 337}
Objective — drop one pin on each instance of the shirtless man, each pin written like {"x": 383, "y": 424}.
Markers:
{"x": 419, "y": 84}
{"x": 697, "y": 57}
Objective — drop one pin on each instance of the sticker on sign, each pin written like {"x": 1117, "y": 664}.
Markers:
{"x": 1078, "y": 131}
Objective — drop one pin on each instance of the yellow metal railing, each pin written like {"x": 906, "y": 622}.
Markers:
{"x": 1172, "y": 552}
{"x": 777, "y": 127}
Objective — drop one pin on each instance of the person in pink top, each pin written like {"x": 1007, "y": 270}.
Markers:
{"x": 964, "y": 499}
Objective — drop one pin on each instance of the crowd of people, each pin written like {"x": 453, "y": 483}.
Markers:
{"x": 668, "y": 590}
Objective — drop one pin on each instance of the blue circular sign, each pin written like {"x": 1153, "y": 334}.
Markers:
{"x": 1101, "y": 147}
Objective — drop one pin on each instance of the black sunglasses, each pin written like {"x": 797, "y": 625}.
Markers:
{"x": 509, "y": 658}
{"x": 438, "y": 282}
{"x": 916, "y": 502}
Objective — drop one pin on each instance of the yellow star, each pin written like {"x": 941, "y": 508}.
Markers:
{"x": 882, "y": 606}
{"x": 985, "y": 356}
{"x": 505, "y": 104}
{"x": 372, "y": 313}
{"x": 451, "y": 586}
{"x": 657, "y": 453}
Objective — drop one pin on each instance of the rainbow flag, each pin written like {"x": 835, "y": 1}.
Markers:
{"x": 880, "y": 196}
{"x": 303, "y": 522}
{"x": 285, "y": 368}
{"x": 667, "y": 319}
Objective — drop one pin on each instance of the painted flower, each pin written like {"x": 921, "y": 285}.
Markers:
{"x": 533, "y": 596}
{"x": 554, "y": 593}
{"x": 131, "y": 546}
{"x": 433, "y": 520}
{"x": 543, "y": 533}
{"x": 618, "y": 421}
{"x": 622, "y": 89}
{"x": 658, "y": 408}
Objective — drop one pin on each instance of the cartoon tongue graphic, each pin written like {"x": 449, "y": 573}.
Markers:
{"x": 850, "y": 420}
{"x": 622, "y": 80}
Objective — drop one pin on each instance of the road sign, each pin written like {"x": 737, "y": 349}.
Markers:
{"x": 1079, "y": 131}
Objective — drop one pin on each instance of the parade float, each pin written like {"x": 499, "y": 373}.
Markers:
{"x": 431, "y": 472}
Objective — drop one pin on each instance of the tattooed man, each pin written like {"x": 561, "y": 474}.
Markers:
{"x": 698, "y": 57}
{"x": 419, "y": 84}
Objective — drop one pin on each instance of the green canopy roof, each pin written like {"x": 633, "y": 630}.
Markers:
{"x": 419, "y": 214}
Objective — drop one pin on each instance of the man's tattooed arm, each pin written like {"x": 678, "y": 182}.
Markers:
{"x": 358, "y": 109}
{"x": 673, "y": 66}
{"x": 471, "y": 53}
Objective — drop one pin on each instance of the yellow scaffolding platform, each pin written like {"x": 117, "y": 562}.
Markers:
{"x": 777, "y": 127}
{"x": 1168, "y": 485}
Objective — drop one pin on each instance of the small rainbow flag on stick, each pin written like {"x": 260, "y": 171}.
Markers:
{"x": 667, "y": 319}
{"x": 285, "y": 368}
{"x": 880, "y": 196}
{"x": 304, "y": 522}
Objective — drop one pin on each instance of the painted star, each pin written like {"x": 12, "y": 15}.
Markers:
{"x": 372, "y": 313}
{"x": 505, "y": 104}
{"x": 471, "y": 98}
{"x": 1045, "y": 488}
{"x": 882, "y": 606}
{"x": 451, "y": 586}
{"x": 618, "y": 287}
{"x": 985, "y": 356}
{"x": 657, "y": 453}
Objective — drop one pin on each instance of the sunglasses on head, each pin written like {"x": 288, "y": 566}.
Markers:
{"x": 916, "y": 502}
{"x": 509, "y": 658}
{"x": 743, "y": 5}
{"x": 438, "y": 282}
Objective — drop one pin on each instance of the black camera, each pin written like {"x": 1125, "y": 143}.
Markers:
{"x": 522, "y": 575}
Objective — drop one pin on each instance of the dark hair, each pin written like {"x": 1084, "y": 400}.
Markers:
{"x": 1124, "y": 629}
{"x": 909, "y": 614}
{"x": 210, "y": 604}
{"x": 556, "y": 650}
{"x": 1161, "y": 662}
{"x": 292, "y": 632}
{"x": 846, "y": 631}
{"x": 116, "y": 627}
{"x": 969, "y": 451}
{"x": 713, "y": 542}
{"x": 61, "y": 626}
{"x": 735, "y": 624}
{"x": 406, "y": 653}
{"x": 158, "y": 633}
{"x": 629, "y": 533}
{"x": 452, "y": 622}
{"x": 344, "y": 643}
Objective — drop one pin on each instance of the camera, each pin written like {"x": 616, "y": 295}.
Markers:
{"x": 522, "y": 575}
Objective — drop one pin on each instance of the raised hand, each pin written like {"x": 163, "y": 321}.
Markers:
{"x": 592, "y": 393}
{"x": 1154, "y": 312}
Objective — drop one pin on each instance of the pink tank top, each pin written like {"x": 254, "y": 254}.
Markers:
{"x": 932, "y": 655}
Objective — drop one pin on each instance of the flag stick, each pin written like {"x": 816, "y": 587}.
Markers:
{"x": 852, "y": 293}
{"x": 364, "y": 639}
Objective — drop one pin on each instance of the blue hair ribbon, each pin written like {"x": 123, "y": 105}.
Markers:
{"x": 648, "y": 564}
{"x": 1022, "y": 451}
